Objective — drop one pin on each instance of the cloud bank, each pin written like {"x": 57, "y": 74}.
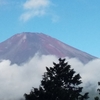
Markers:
{"x": 33, "y": 8}
{"x": 16, "y": 80}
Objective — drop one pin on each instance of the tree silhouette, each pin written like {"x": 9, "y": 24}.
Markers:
{"x": 59, "y": 83}
{"x": 97, "y": 97}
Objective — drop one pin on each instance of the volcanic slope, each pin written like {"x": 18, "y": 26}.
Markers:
{"x": 23, "y": 46}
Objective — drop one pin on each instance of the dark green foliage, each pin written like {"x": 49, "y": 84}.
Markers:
{"x": 97, "y": 97}
{"x": 59, "y": 83}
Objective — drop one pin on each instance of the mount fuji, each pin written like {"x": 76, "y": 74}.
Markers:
{"x": 23, "y": 46}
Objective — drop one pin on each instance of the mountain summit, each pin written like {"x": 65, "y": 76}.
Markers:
{"x": 23, "y": 46}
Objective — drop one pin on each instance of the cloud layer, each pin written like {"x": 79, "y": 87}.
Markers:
{"x": 16, "y": 80}
{"x": 34, "y": 8}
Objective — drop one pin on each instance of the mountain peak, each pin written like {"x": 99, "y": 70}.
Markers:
{"x": 22, "y": 46}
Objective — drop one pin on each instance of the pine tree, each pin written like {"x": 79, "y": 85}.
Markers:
{"x": 97, "y": 97}
{"x": 59, "y": 83}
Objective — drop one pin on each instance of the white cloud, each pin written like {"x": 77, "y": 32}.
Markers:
{"x": 16, "y": 80}
{"x": 34, "y": 8}
{"x": 35, "y": 4}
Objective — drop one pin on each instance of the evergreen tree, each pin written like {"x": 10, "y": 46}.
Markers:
{"x": 59, "y": 83}
{"x": 97, "y": 97}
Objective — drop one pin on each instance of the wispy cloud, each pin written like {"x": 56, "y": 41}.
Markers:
{"x": 33, "y": 8}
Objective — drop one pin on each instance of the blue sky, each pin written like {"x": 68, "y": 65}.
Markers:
{"x": 74, "y": 22}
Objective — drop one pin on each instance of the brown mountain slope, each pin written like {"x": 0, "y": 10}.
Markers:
{"x": 20, "y": 47}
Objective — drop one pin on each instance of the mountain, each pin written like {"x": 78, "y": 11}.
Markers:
{"x": 23, "y": 46}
